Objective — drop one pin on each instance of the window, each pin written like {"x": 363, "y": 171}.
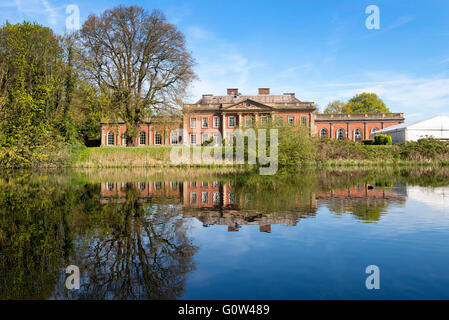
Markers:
{"x": 192, "y": 197}
{"x": 341, "y": 134}
{"x": 291, "y": 120}
{"x": 110, "y": 186}
{"x": 204, "y": 184}
{"x": 110, "y": 137}
{"x": 193, "y": 123}
{"x": 142, "y": 185}
{"x": 216, "y": 198}
{"x": 174, "y": 137}
{"x": 205, "y": 197}
{"x": 158, "y": 185}
{"x": 173, "y": 185}
{"x": 192, "y": 138}
{"x": 204, "y": 137}
{"x": 216, "y": 122}
{"x": 264, "y": 119}
{"x": 324, "y": 133}
{"x": 217, "y": 138}
{"x": 231, "y": 122}
{"x": 193, "y": 184}
{"x": 157, "y": 138}
{"x": 357, "y": 135}
{"x": 248, "y": 121}
{"x": 216, "y": 183}
{"x": 143, "y": 138}
{"x": 304, "y": 121}
{"x": 204, "y": 122}
{"x": 231, "y": 198}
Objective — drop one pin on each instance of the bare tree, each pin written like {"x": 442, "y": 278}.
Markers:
{"x": 138, "y": 60}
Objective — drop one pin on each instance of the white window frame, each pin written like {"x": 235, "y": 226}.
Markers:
{"x": 140, "y": 138}
{"x": 204, "y": 124}
{"x": 263, "y": 119}
{"x": 325, "y": 130}
{"x": 216, "y": 122}
{"x": 204, "y": 137}
{"x": 193, "y": 137}
{"x": 217, "y": 138}
{"x": 304, "y": 120}
{"x": 250, "y": 119}
{"x": 291, "y": 119}
{"x": 360, "y": 134}
{"x": 113, "y": 138}
{"x": 205, "y": 197}
{"x": 193, "y": 197}
{"x": 193, "y": 123}
{"x": 229, "y": 121}
{"x": 156, "y": 135}
{"x": 338, "y": 134}
{"x": 174, "y": 137}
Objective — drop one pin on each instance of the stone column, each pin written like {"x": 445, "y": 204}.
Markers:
{"x": 365, "y": 132}
{"x": 223, "y": 126}
{"x": 348, "y": 135}
{"x": 331, "y": 133}
{"x": 102, "y": 137}
{"x": 240, "y": 120}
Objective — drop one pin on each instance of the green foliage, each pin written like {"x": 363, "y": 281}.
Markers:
{"x": 360, "y": 103}
{"x": 368, "y": 142}
{"x": 425, "y": 149}
{"x": 382, "y": 139}
{"x": 367, "y": 103}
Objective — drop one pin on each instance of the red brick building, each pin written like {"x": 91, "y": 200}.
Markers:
{"x": 218, "y": 116}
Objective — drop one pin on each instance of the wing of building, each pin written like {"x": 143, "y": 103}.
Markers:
{"x": 216, "y": 117}
{"x": 436, "y": 127}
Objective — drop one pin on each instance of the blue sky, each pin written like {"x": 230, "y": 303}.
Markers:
{"x": 321, "y": 50}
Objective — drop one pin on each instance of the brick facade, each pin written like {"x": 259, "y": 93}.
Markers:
{"x": 218, "y": 116}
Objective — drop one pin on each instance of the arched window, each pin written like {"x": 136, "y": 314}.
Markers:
{"x": 143, "y": 138}
{"x": 341, "y": 134}
{"x": 357, "y": 135}
{"x": 324, "y": 133}
{"x": 157, "y": 138}
{"x": 110, "y": 138}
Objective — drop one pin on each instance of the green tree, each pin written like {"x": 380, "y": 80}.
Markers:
{"x": 31, "y": 92}
{"x": 366, "y": 103}
{"x": 336, "y": 106}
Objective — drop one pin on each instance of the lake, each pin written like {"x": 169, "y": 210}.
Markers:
{"x": 203, "y": 234}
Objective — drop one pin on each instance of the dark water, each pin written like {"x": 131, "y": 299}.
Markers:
{"x": 188, "y": 235}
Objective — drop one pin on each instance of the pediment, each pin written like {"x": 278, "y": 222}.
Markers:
{"x": 248, "y": 105}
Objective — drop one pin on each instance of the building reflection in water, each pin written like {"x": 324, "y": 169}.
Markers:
{"x": 218, "y": 203}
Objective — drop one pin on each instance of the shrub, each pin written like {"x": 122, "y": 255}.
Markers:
{"x": 368, "y": 142}
{"x": 382, "y": 139}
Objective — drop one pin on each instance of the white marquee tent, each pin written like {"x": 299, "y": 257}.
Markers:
{"x": 437, "y": 127}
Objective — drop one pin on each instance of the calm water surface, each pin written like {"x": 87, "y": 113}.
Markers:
{"x": 184, "y": 235}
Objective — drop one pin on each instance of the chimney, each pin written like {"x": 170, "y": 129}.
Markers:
{"x": 233, "y": 92}
{"x": 264, "y": 91}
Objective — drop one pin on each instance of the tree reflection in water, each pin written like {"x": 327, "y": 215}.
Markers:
{"x": 138, "y": 252}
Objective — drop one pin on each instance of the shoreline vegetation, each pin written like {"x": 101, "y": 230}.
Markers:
{"x": 310, "y": 152}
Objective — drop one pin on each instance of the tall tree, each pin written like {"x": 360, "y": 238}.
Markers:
{"x": 137, "y": 59}
{"x": 31, "y": 92}
{"x": 367, "y": 103}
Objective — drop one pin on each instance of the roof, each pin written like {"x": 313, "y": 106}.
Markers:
{"x": 440, "y": 122}
{"x": 216, "y": 103}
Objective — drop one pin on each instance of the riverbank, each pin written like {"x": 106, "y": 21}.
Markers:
{"x": 325, "y": 154}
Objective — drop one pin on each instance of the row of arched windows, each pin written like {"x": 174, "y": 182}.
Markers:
{"x": 340, "y": 133}
{"x": 110, "y": 138}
